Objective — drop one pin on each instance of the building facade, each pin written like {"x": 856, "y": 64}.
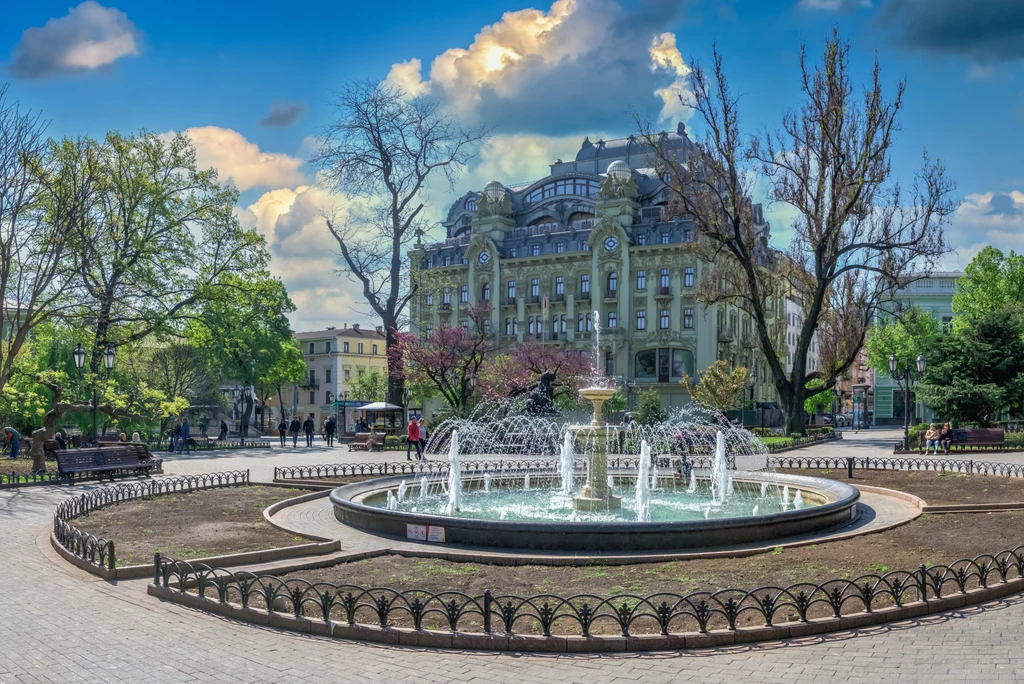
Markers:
{"x": 334, "y": 358}
{"x": 589, "y": 247}
{"x": 934, "y": 295}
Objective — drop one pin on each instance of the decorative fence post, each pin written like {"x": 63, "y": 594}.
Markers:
{"x": 487, "y": 611}
{"x": 849, "y": 467}
{"x": 156, "y": 569}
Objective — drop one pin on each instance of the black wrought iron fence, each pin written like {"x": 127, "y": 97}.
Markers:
{"x": 99, "y": 551}
{"x": 662, "y": 613}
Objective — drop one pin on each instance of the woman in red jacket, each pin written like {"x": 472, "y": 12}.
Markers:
{"x": 412, "y": 439}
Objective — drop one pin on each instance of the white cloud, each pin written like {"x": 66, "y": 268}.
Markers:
{"x": 88, "y": 37}
{"x": 241, "y": 162}
{"x": 579, "y": 65}
{"x": 990, "y": 218}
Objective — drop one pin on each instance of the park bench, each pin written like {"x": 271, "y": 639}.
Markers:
{"x": 971, "y": 439}
{"x": 361, "y": 442}
{"x": 111, "y": 460}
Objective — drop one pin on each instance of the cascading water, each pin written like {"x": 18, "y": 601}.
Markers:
{"x": 454, "y": 477}
{"x": 487, "y": 482}
{"x": 526, "y": 482}
{"x": 692, "y": 489}
{"x": 566, "y": 463}
{"x": 720, "y": 477}
{"x": 392, "y": 503}
{"x": 654, "y": 466}
{"x": 798, "y": 500}
{"x": 643, "y": 485}
{"x": 424, "y": 487}
{"x": 402, "y": 489}
{"x": 785, "y": 497}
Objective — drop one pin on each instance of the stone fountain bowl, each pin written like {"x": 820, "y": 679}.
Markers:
{"x": 837, "y": 507}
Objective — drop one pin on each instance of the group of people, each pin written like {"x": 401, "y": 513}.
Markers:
{"x": 416, "y": 436}
{"x": 308, "y": 426}
{"x": 934, "y": 438}
{"x": 181, "y": 433}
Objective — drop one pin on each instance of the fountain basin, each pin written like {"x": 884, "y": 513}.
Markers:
{"x": 834, "y": 504}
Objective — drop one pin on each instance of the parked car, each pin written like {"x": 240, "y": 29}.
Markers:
{"x": 827, "y": 419}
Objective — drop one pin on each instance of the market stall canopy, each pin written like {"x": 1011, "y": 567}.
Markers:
{"x": 379, "y": 406}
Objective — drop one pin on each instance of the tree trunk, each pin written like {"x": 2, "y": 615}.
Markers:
{"x": 396, "y": 385}
{"x": 39, "y": 437}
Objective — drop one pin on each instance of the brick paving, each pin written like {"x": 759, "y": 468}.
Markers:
{"x": 58, "y": 624}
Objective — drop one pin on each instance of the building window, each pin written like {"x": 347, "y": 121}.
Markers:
{"x": 613, "y": 284}
{"x": 464, "y": 294}
{"x": 312, "y": 397}
{"x": 465, "y": 325}
{"x": 430, "y": 329}
{"x": 584, "y": 245}
{"x": 947, "y": 324}
{"x": 609, "y": 364}
{"x": 511, "y": 290}
{"x": 559, "y": 247}
{"x": 585, "y": 283}
{"x": 664, "y": 279}
{"x": 664, "y": 237}
{"x": 515, "y": 326}
{"x": 682, "y": 363}
{"x": 447, "y": 259}
{"x": 688, "y": 276}
{"x": 361, "y": 372}
{"x": 535, "y": 287}
{"x": 485, "y": 292}
{"x": 687, "y": 318}
{"x": 562, "y": 320}
{"x": 532, "y": 326}
{"x": 688, "y": 235}
{"x": 327, "y": 347}
{"x": 559, "y": 285}
{"x": 312, "y": 376}
{"x": 646, "y": 365}
{"x": 590, "y": 322}
{"x": 310, "y": 347}
{"x": 663, "y": 319}
{"x": 360, "y": 348}
{"x": 641, "y": 239}
{"x": 430, "y": 262}
{"x": 579, "y": 322}
{"x": 348, "y": 373}
{"x": 612, "y": 319}
{"x": 508, "y": 326}
{"x": 641, "y": 320}
{"x": 512, "y": 252}
{"x": 345, "y": 347}
{"x": 327, "y": 376}
{"x": 374, "y": 349}
{"x": 535, "y": 250}
{"x": 465, "y": 261}
{"x": 641, "y": 280}
{"x": 430, "y": 300}
{"x": 446, "y": 296}
{"x": 471, "y": 204}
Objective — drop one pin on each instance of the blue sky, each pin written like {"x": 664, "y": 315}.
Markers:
{"x": 543, "y": 79}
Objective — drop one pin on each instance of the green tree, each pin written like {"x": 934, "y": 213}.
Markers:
{"x": 289, "y": 367}
{"x": 977, "y": 372}
{"x": 370, "y": 386}
{"x": 648, "y": 408}
{"x": 990, "y": 282}
{"x": 719, "y": 387}
{"x": 912, "y": 333}
{"x": 820, "y": 400}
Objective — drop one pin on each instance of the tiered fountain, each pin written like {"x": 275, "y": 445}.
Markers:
{"x": 596, "y": 495}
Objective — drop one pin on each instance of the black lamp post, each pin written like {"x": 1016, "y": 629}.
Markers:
{"x": 109, "y": 356}
{"x": 904, "y": 377}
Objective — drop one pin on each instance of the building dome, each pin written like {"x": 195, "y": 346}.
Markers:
{"x": 619, "y": 171}
{"x": 494, "y": 191}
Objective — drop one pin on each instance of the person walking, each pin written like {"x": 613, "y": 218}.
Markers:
{"x": 308, "y": 426}
{"x": 329, "y": 427}
{"x": 176, "y": 436}
{"x": 13, "y": 439}
{"x": 223, "y": 431}
{"x": 186, "y": 434}
{"x": 412, "y": 438}
{"x": 423, "y": 439}
{"x": 294, "y": 429}
{"x": 282, "y": 431}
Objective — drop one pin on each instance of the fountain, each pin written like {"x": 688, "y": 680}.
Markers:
{"x": 596, "y": 495}
{"x": 565, "y": 464}
{"x": 643, "y": 485}
{"x": 454, "y": 478}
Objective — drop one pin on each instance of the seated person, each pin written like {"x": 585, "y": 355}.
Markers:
{"x": 932, "y": 439}
{"x": 946, "y": 437}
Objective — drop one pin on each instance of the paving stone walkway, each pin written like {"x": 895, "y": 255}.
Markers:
{"x": 58, "y": 624}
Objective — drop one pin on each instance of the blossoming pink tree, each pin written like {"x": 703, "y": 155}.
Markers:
{"x": 516, "y": 370}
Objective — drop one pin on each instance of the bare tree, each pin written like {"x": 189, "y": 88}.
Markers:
{"x": 45, "y": 190}
{"x": 385, "y": 147}
{"x": 859, "y": 234}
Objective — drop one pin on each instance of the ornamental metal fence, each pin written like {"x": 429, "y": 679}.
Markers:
{"x": 662, "y": 613}
{"x": 99, "y": 551}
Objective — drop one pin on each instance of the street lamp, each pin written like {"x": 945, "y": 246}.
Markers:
{"x": 109, "y": 356}
{"x": 904, "y": 378}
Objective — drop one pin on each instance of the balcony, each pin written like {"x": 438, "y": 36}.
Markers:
{"x": 725, "y": 335}
{"x": 652, "y": 214}
{"x": 534, "y": 299}
{"x": 309, "y": 384}
{"x": 558, "y": 297}
{"x": 510, "y": 301}
{"x": 446, "y": 307}
{"x": 663, "y": 292}
{"x": 583, "y": 296}
{"x": 611, "y": 295}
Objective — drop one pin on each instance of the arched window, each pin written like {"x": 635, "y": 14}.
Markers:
{"x": 485, "y": 292}
{"x": 613, "y": 284}
{"x": 471, "y": 204}
{"x": 646, "y": 364}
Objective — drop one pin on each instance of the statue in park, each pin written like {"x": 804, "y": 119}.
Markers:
{"x": 542, "y": 397}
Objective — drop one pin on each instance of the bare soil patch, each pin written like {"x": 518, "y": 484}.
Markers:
{"x": 934, "y": 488}
{"x": 209, "y": 522}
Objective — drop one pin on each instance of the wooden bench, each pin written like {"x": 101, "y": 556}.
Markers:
{"x": 968, "y": 439}
{"x": 361, "y": 442}
{"x": 122, "y": 458}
